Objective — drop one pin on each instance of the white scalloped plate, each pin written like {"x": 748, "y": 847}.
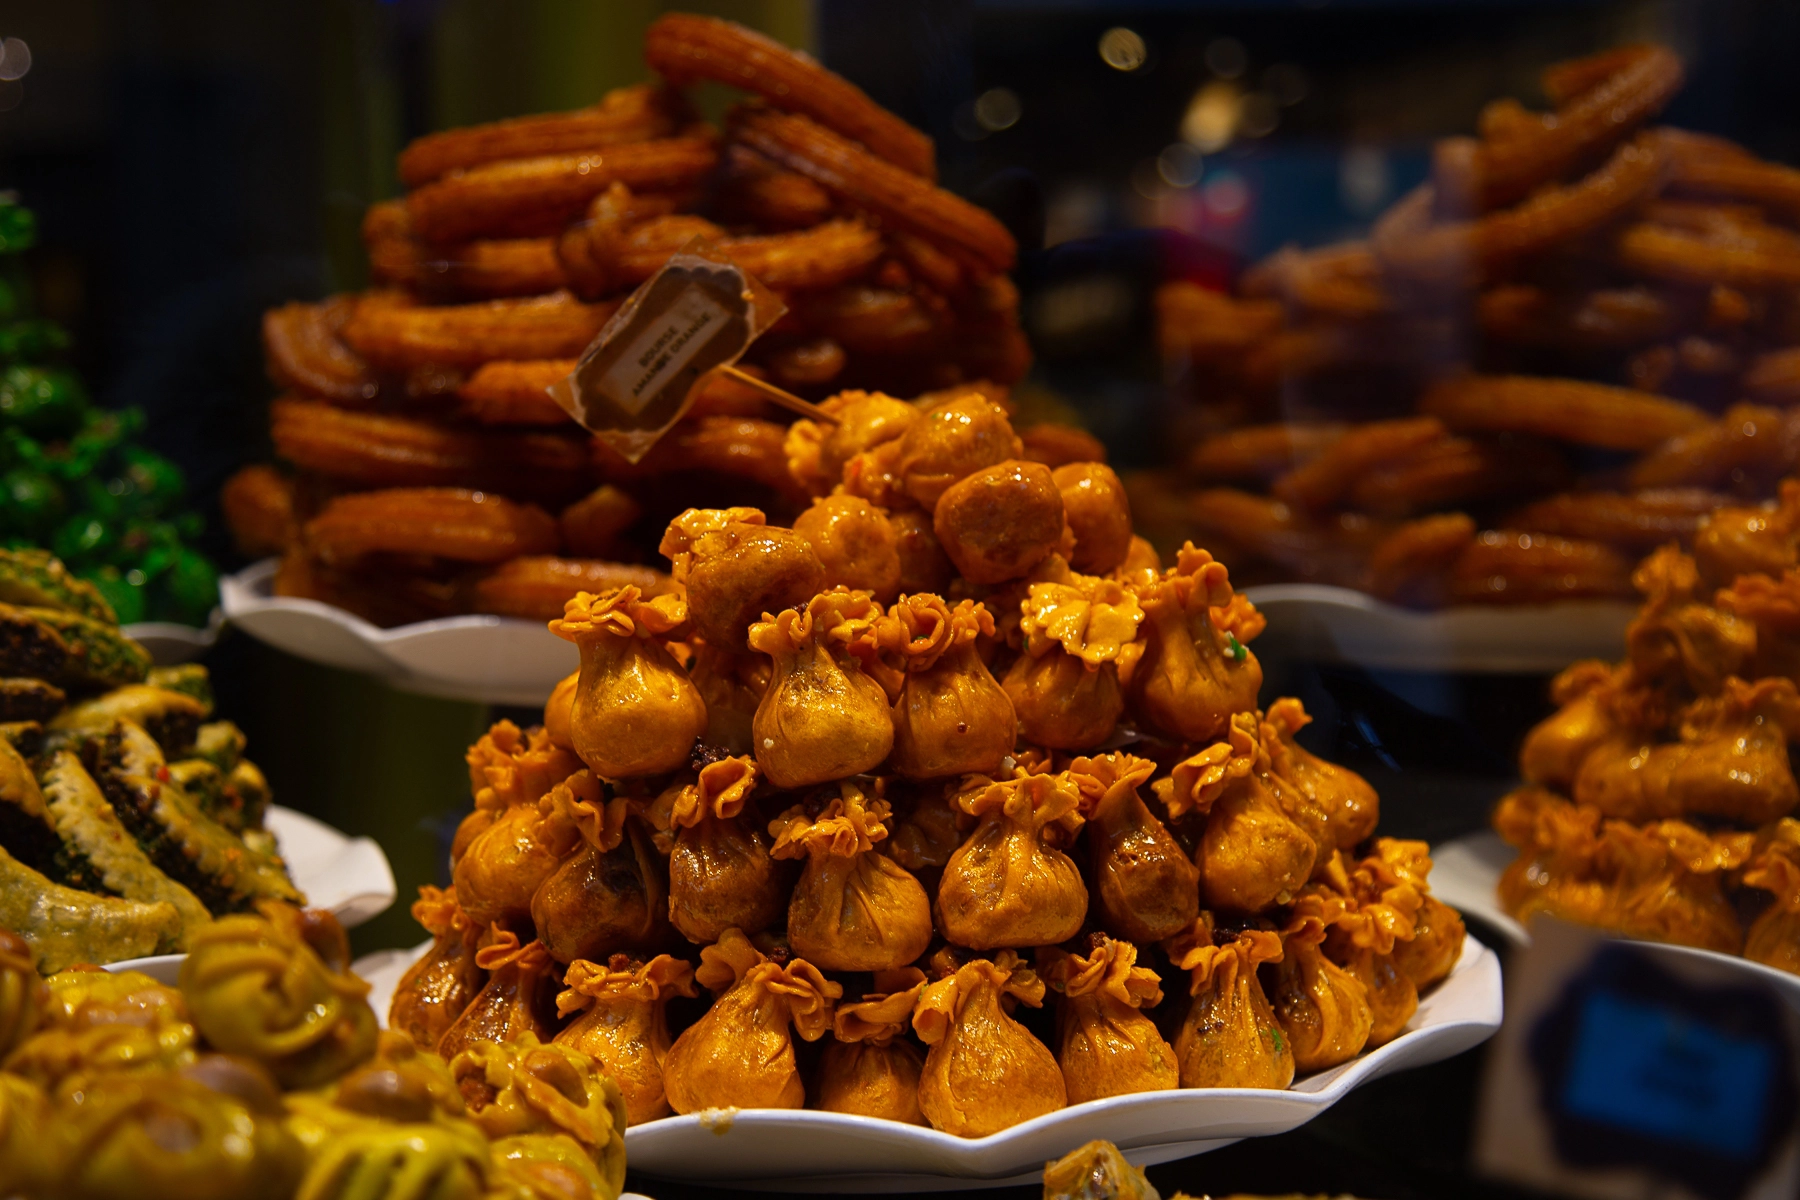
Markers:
{"x": 807, "y": 1151}
{"x": 490, "y": 660}
{"x": 1465, "y": 874}
{"x": 1332, "y": 624}
{"x": 170, "y": 644}
{"x": 349, "y": 876}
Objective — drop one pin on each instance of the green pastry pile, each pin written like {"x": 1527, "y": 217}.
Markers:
{"x": 129, "y": 819}
{"x": 74, "y": 478}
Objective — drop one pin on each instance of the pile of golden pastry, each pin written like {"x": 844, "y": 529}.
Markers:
{"x": 1657, "y": 797}
{"x": 952, "y": 744}
{"x": 1579, "y": 337}
{"x": 264, "y": 1077}
{"x": 431, "y": 471}
{"x": 129, "y": 817}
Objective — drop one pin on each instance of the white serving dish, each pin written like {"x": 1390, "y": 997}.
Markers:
{"x": 490, "y": 660}
{"x": 1319, "y": 623}
{"x": 807, "y": 1151}
{"x": 348, "y": 876}
{"x": 1465, "y": 874}
{"x": 170, "y": 644}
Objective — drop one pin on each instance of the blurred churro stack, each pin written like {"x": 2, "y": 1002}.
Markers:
{"x": 426, "y": 470}
{"x": 1576, "y": 339}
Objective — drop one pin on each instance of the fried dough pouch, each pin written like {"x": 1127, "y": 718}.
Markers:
{"x": 526, "y": 1087}
{"x": 28, "y": 1165}
{"x": 1347, "y": 806}
{"x": 869, "y": 1067}
{"x": 504, "y": 866}
{"x": 435, "y": 990}
{"x": 1197, "y": 669}
{"x": 855, "y": 544}
{"x": 608, "y": 895}
{"x": 720, "y": 873}
{"x": 1251, "y": 854}
{"x": 732, "y": 685}
{"x": 621, "y": 1013}
{"x": 1731, "y": 762}
{"x": 1774, "y": 867}
{"x": 1230, "y": 1037}
{"x": 1096, "y": 1170}
{"x": 741, "y": 1053}
{"x": 1106, "y": 1046}
{"x": 257, "y": 987}
{"x": 1008, "y": 884}
{"x": 1323, "y": 1009}
{"x": 732, "y": 568}
{"x": 823, "y": 717}
{"x": 951, "y": 717}
{"x": 559, "y": 711}
{"x": 1553, "y": 751}
{"x": 1677, "y": 637}
{"x": 1361, "y": 940}
{"x": 636, "y": 712}
{"x": 852, "y": 909}
{"x": 984, "y": 1071}
{"x": 516, "y": 999}
{"x": 1146, "y": 886}
{"x": 1438, "y": 931}
{"x": 509, "y": 766}
{"x": 1081, "y": 638}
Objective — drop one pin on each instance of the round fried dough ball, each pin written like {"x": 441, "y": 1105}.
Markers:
{"x": 862, "y": 424}
{"x": 1098, "y": 512}
{"x": 749, "y": 570}
{"x": 1001, "y": 521}
{"x": 854, "y": 542}
{"x": 954, "y": 440}
{"x": 924, "y": 567}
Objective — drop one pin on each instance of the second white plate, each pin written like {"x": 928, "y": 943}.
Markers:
{"x": 489, "y": 660}
{"x": 809, "y": 1151}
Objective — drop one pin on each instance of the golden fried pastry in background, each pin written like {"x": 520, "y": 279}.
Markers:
{"x": 538, "y": 587}
{"x": 436, "y": 989}
{"x": 1098, "y": 512}
{"x": 259, "y": 510}
{"x": 741, "y": 1053}
{"x": 822, "y": 717}
{"x": 635, "y": 712}
{"x": 869, "y": 1067}
{"x": 621, "y": 1020}
{"x": 984, "y": 1071}
{"x": 1107, "y": 1047}
{"x": 852, "y": 909}
{"x": 451, "y": 523}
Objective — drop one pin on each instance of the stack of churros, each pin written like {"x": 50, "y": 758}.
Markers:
{"x": 1574, "y": 341}
{"x": 427, "y": 471}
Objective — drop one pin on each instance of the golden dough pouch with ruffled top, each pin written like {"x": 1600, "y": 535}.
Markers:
{"x": 869, "y": 1067}
{"x": 1009, "y": 884}
{"x": 740, "y": 1054}
{"x": 984, "y": 1071}
{"x": 1106, "y": 1045}
{"x": 1230, "y": 1037}
{"x": 1323, "y": 1009}
{"x": 1197, "y": 668}
{"x": 1145, "y": 886}
{"x": 951, "y": 717}
{"x": 516, "y": 999}
{"x": 435, "y": 990}
{"x": 721, "y": 875}
{"x": 635, "y": 712}
{"x": 1081, "y": 635}
{"x": 852, "y": 909}
{"x": 621, "y": 1019}
{"x": 609, "y": 893}
{"x": 823, "y": 717}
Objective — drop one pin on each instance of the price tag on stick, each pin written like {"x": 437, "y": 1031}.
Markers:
{"x": 694, "y": 318}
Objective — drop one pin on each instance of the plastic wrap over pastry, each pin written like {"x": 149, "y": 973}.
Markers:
{"x": 96, "y": 1022}
{"x": 852, "y": 909}
{"x": 741, "y": 1053}
{"x": 1081, "y": 640}
{"x": 1774, "y": 867}
{"x": 1197, "y": 668}
{"x": 1252, "y": 854}
{"x": 259, "y": 988}
{"x": 28, "y": 1162}
{"x": 1146, "y": 886}
{"x": 353, "y": 1158}
{"x": 524, "y": 1086}
{"x": 1230, "y": 1037}
{"x": 552, "y": 1166}
{"x": 1009, "y": 883}
{"x": 636, "y": 712}
{"x": 1731, "y": 761}
{"x": 984, "y": 1072}
{"x": 823, "y": 717}
{"x": 169, "y": 1138}
{"x": 610, "y": 894}
{"x": 1323, "y": 1009}
{"x": 870, "y": 1067}
{"x": 733, "y": 567}
{"x": 1341, "y": 802}
{"x": 436, "y": 989}
{"x": 1106, "y": 1045}
{"x": 951, "y": 717}
{"x": 516, "y": 1000}
{"x": 1096, "y": 1170}
{"x": 720, "y": 873}
{"x": 621, "y": 1019}
{"x": 502, "y": 867}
